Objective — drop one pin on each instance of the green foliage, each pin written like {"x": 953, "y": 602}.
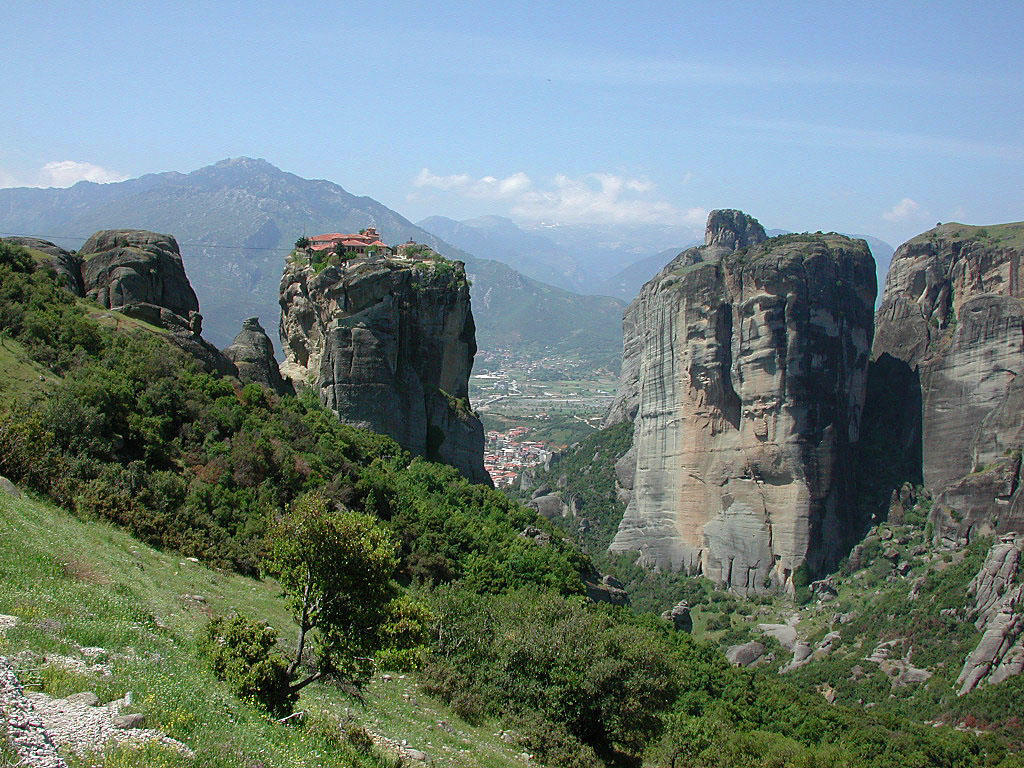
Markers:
{"x": 406, "y": 634}
{"x": 302, "y": 243}
{"x": 451, "y": 529}
{"x": 588, "y": 470}
{"x": 15, "y": 257}
{"x": 138, "y": 435}
{"x": 42, "y": 316}
{"x": 241, "y": 653}
{"x": 572, "y": 676}
{"x": 336, "y": 567}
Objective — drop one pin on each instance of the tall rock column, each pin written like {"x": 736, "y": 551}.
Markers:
{"x": 389, "y": 345}
{"x": 745, "y": 372}
{"x": 952, "y": 320}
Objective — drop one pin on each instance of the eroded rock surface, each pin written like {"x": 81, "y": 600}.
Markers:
{"x": 997, "y": 592}
{"x": 252, "y": 352}
{"x": 953, "y": 318}
{"x": 388, "y": 344}
{"x": 744, "y": 374}
{"x": 131, "y": 266}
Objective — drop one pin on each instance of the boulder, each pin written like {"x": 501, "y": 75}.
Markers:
{"x": 745, "y": 364}
{"x": 126, "y": 266}
{"x": 9, "y": 488}
{"x": 744, "y": 655}
{"x": 802, "y": 654}
{"x": 549, "y": 506}
{"x": 997, "y": 593}
{"x": 252, "y": 352}
{"x": 679, "y": 616}
{"x": 124, "y": 722}
{"x": 784, "y": 633}
{"x": 827, "y": 644}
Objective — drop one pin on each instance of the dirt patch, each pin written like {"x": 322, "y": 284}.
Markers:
{"x": 82, "y": 570}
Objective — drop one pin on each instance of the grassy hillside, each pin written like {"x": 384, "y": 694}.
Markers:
{"x": 22, "y": 376}
{"x": 490, "y": 608}
{"x": 87, "y": 584}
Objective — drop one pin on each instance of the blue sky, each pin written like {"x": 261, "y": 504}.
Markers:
{"x": 870, "y": 117}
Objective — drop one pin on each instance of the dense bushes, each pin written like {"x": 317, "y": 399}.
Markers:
{"x": 577, "y": 680}
{"x": 137, "y": 434}
{"x": 38, "y": 313}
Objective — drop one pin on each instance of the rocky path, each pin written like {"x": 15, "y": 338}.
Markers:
{"x": 40, "y": 727}
{"x": 24, "y": 728}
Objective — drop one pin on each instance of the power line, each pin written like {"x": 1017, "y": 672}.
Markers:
{"x": 180, "y": 244}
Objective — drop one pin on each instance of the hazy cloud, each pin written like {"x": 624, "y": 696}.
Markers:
{"x": 594, "y": 197}
{"x": 845, "y": 137}
{"x": 486, "y": 187}
{"x": 906, "y": 209}
{"x": 61, "y": 173}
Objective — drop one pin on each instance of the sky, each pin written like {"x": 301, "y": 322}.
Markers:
{"x": 876, "y": 118}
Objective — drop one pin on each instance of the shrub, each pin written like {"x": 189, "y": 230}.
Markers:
{"x": 241, "y": 653}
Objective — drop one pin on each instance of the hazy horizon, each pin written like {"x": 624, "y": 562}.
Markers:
{"x": 810, "y": 117}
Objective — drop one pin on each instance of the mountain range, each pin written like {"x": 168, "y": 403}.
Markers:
{"x": 236, "y": 220}
{"x": 604, "y": 260}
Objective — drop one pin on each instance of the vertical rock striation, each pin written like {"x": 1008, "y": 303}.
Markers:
{"x": 389, "y": 345}
{"x": 953, "y": 318}
{"x": 744, "y": 373}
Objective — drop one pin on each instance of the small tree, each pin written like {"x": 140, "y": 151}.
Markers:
{"x": 341, "y": 253}
{"x": 302, "y": 243}
{"x": 336, "y": 567}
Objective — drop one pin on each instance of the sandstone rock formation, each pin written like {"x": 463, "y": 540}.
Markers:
{"x": 139, "y": 274}
{"x": 746, "y": 654}
{"x": 388, "y": 344}
{"x": 998, "y": 598}
{"x": 252, "y": 352}
{"x": 679, "y": 616}
{"x": 744, "y": 374}
{"x": 133, "y": 266}
{"x": 951, "y": 331}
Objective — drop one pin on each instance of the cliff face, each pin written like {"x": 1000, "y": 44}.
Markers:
{"x": 953, "y": 315}
{"x": 744, "y": 373}
{"x": 389, "y": 345}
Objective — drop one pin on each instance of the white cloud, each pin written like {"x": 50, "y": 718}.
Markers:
{"x": 486, "y": 187}
{"x": 905, "y": 210}
{"x": 594, "y": 197}
{"x": 61, "y": 173}
{"x": 64, "y": 173}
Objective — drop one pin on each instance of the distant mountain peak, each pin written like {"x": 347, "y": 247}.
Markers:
{"x": 257, "y": 163}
